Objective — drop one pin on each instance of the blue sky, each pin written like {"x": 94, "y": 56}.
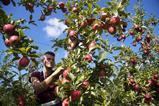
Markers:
{"x": 49, "y": 29}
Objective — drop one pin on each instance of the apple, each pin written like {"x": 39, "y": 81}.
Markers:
{"x": 96, "y": 27}
{"x": 147, "y": 98}
{"x": 61, "y": 5}
{"x": 148, "y": 38}
{"x": 65, "y": 102}
{"x": 85, "y": 84}
{"x": 30, "y": 6}
{"x": 14, "y": 39}
{"x": 21, "y": 101}
{"x": 6, "y": 2}
{"x": 7, "y": 42}
{"x": 83, "y": 24}
{"x": 72, "y": 43}
{"x": 66, "y": 72}
{"x": 75, "y": 9}
{"x": 123, "y": 36}
{"x": 155, "y": 77}
{"x": 42, "y": 17}
{"x": 72, "y": 33}
{"x": 114, "y": 20}
{"x": 102, "y": 74}
{"x": 138, "y": 39}
{"x": 133, "y": 60}
{"x": 24, "y": 61}
{"x": 136, "y": 88}
{"x": 75, "y": 95}
{"x": 111, "y": 29}
{"x": 131, "y": 32}
{"x": 103, "y": 16}
{"x": 50, "y": 8}
{"x": 90, "y": 21}
{"x": 88, "y": 58}
{"x": 8, "y": 28}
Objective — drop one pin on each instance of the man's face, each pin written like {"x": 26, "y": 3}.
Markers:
{"x": 49, "y": 61}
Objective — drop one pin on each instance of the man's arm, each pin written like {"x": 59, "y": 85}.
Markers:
{"x": 42, "y": 86}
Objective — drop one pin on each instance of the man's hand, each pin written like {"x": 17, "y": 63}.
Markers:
{"x": 58, "y": 71}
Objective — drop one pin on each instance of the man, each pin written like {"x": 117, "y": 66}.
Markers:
{"x": 44, "y": 82}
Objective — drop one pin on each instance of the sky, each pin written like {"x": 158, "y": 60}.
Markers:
{"x": 52, "y": 28}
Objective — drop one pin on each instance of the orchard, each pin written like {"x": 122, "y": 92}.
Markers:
{"x": 97, "y": 71}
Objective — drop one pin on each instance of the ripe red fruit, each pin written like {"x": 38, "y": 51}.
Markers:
{"x": 65, "y": 102}
{"x": 123, "y": 36}
{"x": 75, "y": 95}
{"x": 138, "y": 39}
{"x": 50, "y": 8}
{"x": 111, "y": 29}
{"x": 66, "y": 72}
{"x": 30, "y": 6}
{"x": 96, "y": 27}
{"x": 131, "y": 32}
{"x": 7, "y": 42}
{"x": 88, "y": 58}
{"x": 14, "y": 39}
{"x": 83, "y": 24}
{"x": 155, "y": 76}
{"x": 75, "y": 9}
{"x": 147, "y": 98}
{"x": 102, "y": 74}
{"x": 114, "y": 20}
{"x": 148, "y": 38}
{"x": 136, "y": 87}
{"x": 24, "y": 61}
{"x": 85, "y": 84}
{"x": 8, "y": 28}
{"x": 133, "y": 61}
{"x": 90, "y": 21}
{"x": 62, "y": 5}
{"x": 72, "y": 33}
{"x": 42, "y": 17}
{"x": 103, "y": 16}
{"x": 21, "y": 101}
{"x": 6, "y": 2}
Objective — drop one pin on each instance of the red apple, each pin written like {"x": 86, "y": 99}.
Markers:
{"x": 24, "y": 61}
{"x": 30, "y": 6}
{"x": 21, "y": 101}
{"x": 66, "y": 72}
{"x": 102, "y": 74}
{"x": 14, "y": 39}
{"x": 42, "y": 17}
{"x": 8, "y": 28}
{"x": 96, "y": 27}
{"x": 83, "y": 24}
{"x": 136, "y": 88}
{"x": 75, "y": 9}
{"x": 111, "y": 29}
{"x": 103, "y": 16}
{"x": 90, "y": 21}
{"x": 131, "y": 32}
{"x": 50, "y": 8}
{"x": 133, "y": 61}
{"x": 88, "y": 58}
{"x": 72, "y": 33}
{"x": 123, "y": 36}
{"x": 62, "y": 5}
{"x": 85, "y": 84}
{"x": 75, "y": 95}
{"x": 138, "y": 39}
{"x": 114, "y": 20}
{"x": 65, "y": 102}
{"x": 147, "y": 98}
{"x": 7, "y": 42}
{"x": 6, "y": 2}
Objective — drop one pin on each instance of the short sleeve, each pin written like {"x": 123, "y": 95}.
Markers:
{"x": 34, "y": 74}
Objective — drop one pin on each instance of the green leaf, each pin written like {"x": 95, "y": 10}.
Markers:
{"x": 102, "y": 55}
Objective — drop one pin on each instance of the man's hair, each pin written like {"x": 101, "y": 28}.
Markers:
{"x": 50, "y": 53}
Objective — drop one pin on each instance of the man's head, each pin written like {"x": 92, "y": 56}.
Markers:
{"x": 49, "y": 59}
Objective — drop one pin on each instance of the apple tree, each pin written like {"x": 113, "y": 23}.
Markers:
{"x": 97, "y": 71}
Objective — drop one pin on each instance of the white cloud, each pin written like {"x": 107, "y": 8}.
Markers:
{"x": 54, "y": 27}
